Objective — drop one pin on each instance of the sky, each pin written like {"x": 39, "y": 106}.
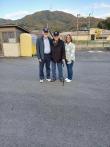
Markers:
{"x": 16, "y": 9}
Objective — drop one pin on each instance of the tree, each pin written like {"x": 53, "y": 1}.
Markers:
{"x": 105, "y": 24}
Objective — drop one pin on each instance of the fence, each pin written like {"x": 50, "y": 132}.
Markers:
{"x": 92, "y": 44}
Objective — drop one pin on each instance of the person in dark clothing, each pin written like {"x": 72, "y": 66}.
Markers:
{"x": 58, "y": 56}
{"x": 43, "y": 45}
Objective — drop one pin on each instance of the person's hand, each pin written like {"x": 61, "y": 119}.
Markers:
{"x": 40, "y": 60}
{"x": 63, "y": 61}
{"x": 69, "y": 62}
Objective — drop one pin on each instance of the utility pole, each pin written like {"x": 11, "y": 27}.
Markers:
{"x": 77, "y": 26}
{"x": 89, "y": 25}
{"x": 47, "y": 25}
{"x": 77, "y": 23}
{"x": 103, "y": 35}
{"x": 89, "y": 20}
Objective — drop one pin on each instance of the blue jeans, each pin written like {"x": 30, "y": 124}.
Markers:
{"x": 60, "y": 70}
{"x": 70, "y": 70}
{"x": 46, "y": 62}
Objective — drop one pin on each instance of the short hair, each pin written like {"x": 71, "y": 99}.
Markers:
{"x": 70, "y": 38}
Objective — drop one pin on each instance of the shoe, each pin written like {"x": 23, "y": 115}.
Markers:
{"x": 49, "y": 80}
{"x": 68, "y": 80}
{"x": 41, "y": 81}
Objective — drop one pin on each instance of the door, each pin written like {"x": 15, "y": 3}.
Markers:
{"x": 92, "y": 37}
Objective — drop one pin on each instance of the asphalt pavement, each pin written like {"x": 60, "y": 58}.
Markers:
{"x": 50, "y": 114}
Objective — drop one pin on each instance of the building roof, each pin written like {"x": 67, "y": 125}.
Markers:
{"x": 14, "y": 25}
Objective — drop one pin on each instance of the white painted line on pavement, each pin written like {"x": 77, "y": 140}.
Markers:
{"x": 95, "y": 51}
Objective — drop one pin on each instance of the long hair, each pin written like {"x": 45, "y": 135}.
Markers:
{"x": 70, "y": 38}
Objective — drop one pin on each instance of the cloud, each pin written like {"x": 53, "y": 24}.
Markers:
{"x": 101, "y": 10}
{"x": 16, "y": 15}
{"x": 85, "y": 14}
{"x": 100, "y": 5}
{"x": 21, "y": 14}
{"x": 73, "y": 12}
{"x": 104, "y": 16}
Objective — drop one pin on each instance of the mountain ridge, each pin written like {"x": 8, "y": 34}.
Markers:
{"x": 56, "y": 20}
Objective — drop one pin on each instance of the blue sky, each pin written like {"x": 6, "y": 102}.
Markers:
{"x": 14, "y": 9}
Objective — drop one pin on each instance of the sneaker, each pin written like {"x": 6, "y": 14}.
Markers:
{"x": 68, "y": 80}
{"x": 49, "y": 80}
{"x": 41, "y": 81}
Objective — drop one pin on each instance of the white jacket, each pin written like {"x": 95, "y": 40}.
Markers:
{"x": 70, "y": 51}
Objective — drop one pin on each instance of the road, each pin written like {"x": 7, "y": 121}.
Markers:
{"x": 51, "y": 115}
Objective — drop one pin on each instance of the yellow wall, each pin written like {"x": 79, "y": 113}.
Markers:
{"x": 81, "y": 37}
{"x": 33, "y": 48}
{"x": 34, "y": 39}
{"x": 92, "y": 30}
{"x": 26, "y": 44}
{"x": 108, "y": 38}
{"x": 11, "y": 49}
{"x": 96, "y": 31}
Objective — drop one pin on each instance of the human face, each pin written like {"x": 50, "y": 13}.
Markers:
{"x": 45, "y": 34}
{"x": 68, "y": 39}
{"x": 56, "y": 38}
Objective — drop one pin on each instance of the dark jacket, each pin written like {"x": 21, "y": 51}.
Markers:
{"x": 40, "y": 47}
{"x": 58, "y": 51}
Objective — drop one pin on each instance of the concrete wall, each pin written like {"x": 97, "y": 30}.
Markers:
{"x": 11, "y": 49}
{"x": 81, "y": 37}
{"x": 108, "y": 38}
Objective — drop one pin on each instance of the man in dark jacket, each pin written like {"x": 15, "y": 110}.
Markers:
{"x": 44, "y": 54}
{"x": 58, "y": 56}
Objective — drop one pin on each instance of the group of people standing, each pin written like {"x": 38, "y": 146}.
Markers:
{"x": 54, "y": 52}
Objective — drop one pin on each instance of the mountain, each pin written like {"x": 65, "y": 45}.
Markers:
{"x": 56, "y": 20}
{"x": 5, "y": 21}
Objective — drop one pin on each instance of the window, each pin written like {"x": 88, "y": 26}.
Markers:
{"x": 7, "y": 36}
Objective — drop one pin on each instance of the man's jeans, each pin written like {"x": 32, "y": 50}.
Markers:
{"x": 70, "y": 70}
{"x": 46, "y": 62}
{"x": 60, "y": 70}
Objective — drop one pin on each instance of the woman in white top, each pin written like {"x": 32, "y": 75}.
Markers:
{"x": 70, "y": 57}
